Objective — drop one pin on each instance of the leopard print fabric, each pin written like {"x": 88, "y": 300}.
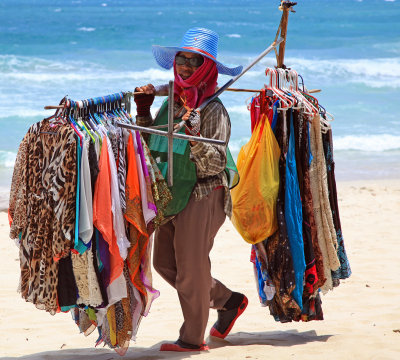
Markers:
{"x": 42, "y": 206}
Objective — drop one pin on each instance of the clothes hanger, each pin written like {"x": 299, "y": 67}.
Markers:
{"x": 94, "y": 123}
{"x": 284, "y": 104}
{"x": 74, "y": 125}
{"x": 249, "y": 101}
{"x": 310, "y": 104}
{"x": 128, "y": 116}
{"x": 328, "y": 116}
{"x": 123, "y": 115}
{"x": 286, "y": 86}
{"x": 275, "y": 87}
{"x": 85, "y": 127}
{"x": 59, "y": 114}
{"x": 293, "y": 86}
{"x": 283, "y": 87}
{"x": 315, "y": 107}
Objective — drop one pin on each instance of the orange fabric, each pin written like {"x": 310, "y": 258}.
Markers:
{"x": 133, "y": 196}
{"x": 102, "y": 213}
{"x": 138, "y": 235}
{"x": 9, "y": 217}
{"x": 137, "y": 250}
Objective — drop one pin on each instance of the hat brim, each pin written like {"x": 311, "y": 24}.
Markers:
{"x": 165, "y": 56}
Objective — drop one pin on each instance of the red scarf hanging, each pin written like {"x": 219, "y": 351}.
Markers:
{"x": 199, "y": 86}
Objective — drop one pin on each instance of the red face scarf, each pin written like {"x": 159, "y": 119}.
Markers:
{"x": 199, "y": 86}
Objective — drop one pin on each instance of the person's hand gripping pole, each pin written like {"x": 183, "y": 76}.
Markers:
{"x": 192, "y": 122}
{"x": 145, "y": 99}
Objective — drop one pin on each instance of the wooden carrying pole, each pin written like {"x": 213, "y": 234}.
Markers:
{"x": 286, "y": 6}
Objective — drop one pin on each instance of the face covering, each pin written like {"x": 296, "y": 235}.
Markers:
{"x": 199, "y": 86}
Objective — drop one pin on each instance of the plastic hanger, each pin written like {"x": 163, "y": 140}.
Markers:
{"x": 286, "y": 87}
{"x": 273, "y": 87}
{"x": 309, "y": 107}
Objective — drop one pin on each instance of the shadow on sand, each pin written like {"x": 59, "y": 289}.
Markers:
{"x": 271, "y": 338}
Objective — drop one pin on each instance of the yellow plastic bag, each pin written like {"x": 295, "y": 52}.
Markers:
{"x": 254, "y": 198}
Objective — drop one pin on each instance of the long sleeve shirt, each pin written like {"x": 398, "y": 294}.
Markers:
{"x": 210, "y": 159}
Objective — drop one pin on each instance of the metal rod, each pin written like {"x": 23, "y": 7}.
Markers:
{"x": 52, "y": 107}
{"x": 174, "y": 135}
{"x": 170, "y": 132}
{"x": 159, "y": 126}
{"x": 255, "y": 90}
{"x": 162, "y": 91}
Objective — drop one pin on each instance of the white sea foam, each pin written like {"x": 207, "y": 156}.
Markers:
{"x": 234, "y": 35}
{"x": 369, "y": 143}
{"x": 363, "y": 143}
{"x": 84, "y": 75}
{"x": 39, "y": 69}
{"x": 384, "y": 72}
{"x": 375, "y": 73}
{"x": 7, "y": 159}
{"x": 86, "y": 29}
{"x": 389, "y": 67}
{"x": 14, "y": 64}
{"x": 22, "y": 111}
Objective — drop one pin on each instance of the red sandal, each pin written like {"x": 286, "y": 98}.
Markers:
{"x": 227, "y": 318}
{"x": 181, "y": 346}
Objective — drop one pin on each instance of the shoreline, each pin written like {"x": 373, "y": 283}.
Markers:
{"x": 4, "y": 193}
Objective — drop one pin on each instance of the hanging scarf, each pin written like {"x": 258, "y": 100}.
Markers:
{"x": 199, "y": 86}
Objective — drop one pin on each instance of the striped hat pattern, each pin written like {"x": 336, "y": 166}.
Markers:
{"x": 197, "y": 40}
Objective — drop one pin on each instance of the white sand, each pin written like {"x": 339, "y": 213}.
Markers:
{"x": 362, "y": 315}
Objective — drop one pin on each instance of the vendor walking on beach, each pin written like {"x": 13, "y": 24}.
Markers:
{"x": 201, "y": 196}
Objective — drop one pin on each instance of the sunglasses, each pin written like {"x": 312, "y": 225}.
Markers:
{"x": 193, "y": 62}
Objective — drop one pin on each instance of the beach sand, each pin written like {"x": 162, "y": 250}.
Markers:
{"x": 362, "y": 315}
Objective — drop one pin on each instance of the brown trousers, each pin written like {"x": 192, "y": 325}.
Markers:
{"x": 181, "y": 257}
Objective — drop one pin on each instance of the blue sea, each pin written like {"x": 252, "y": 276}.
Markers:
{"x": 350, "y": 49}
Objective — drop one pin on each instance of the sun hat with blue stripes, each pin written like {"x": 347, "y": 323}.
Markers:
{"x": 196, "y": 40}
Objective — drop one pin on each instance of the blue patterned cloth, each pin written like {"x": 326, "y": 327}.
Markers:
{"x": 294, "y": 217}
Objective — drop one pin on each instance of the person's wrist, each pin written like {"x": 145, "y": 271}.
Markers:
{"x": 143, "y": 110}
{"x": 143, "y": 104}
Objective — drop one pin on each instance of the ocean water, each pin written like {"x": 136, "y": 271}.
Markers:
{"x": 350, "y": 49}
